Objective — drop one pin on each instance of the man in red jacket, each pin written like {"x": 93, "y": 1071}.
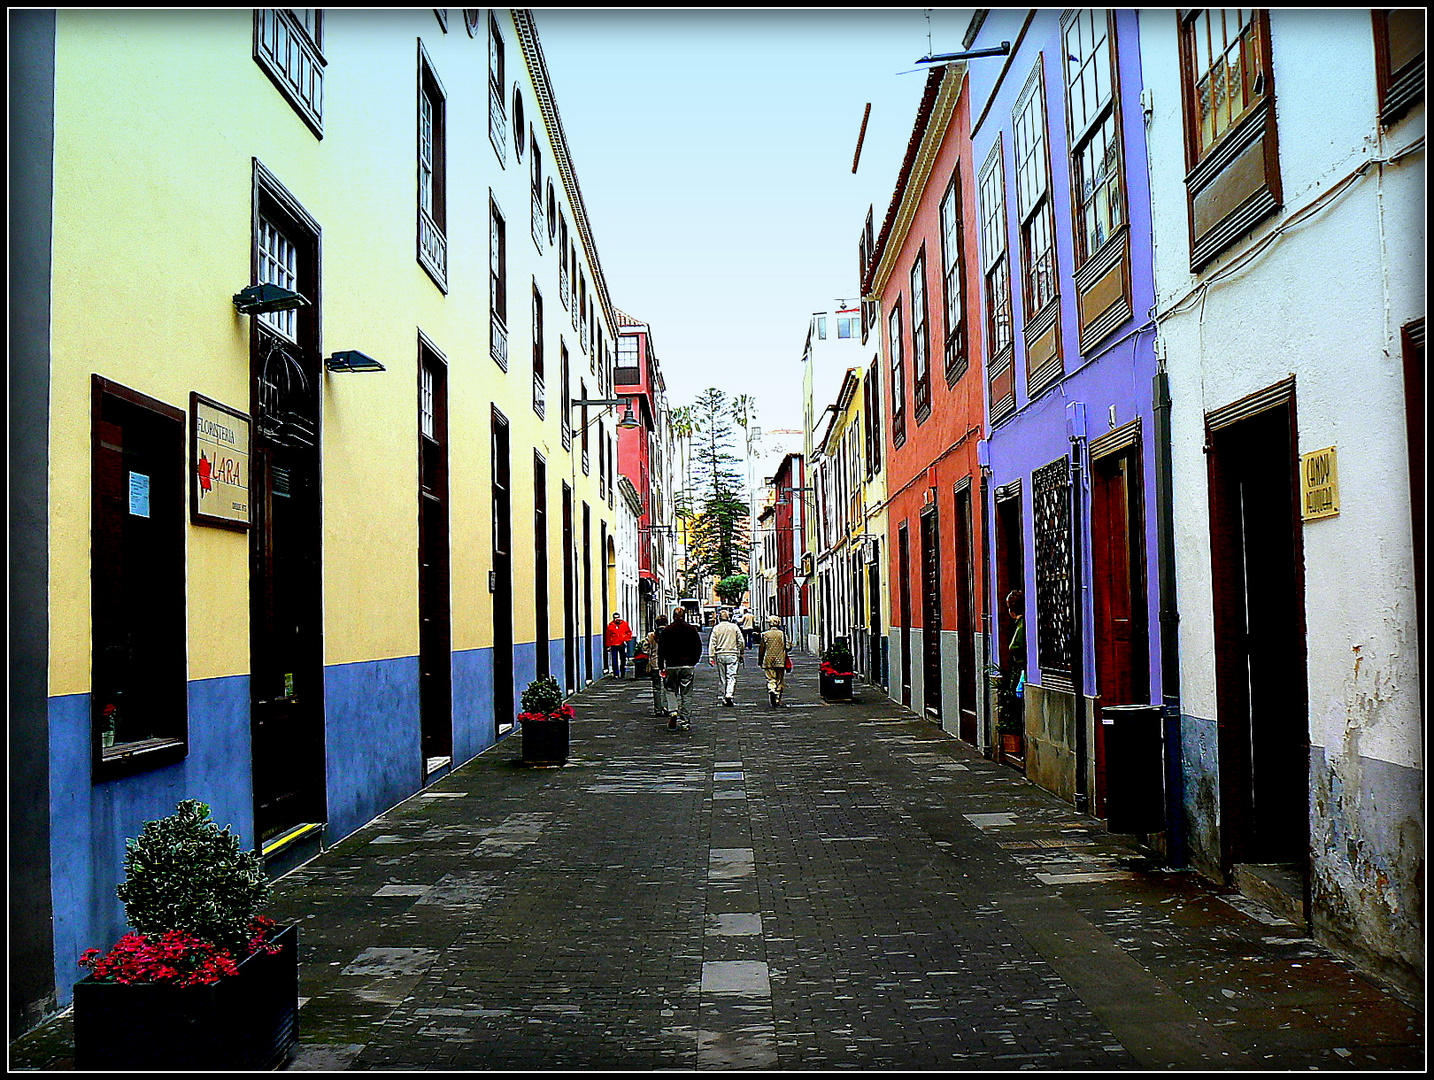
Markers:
{"x": 615, "y": 636}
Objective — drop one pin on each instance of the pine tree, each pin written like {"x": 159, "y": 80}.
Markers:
{"x": 715, "y": 545}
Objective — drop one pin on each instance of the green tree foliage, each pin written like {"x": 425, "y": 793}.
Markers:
{"x": 185, "y": 873}
{"x": 716, "y": 541}
{"x": 730, "y": 590}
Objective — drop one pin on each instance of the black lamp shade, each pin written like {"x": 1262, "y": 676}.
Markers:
{"x": 259, "y": 299}
{"x": 352, "y": 360}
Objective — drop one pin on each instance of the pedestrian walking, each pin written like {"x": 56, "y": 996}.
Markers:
{"x": 615, "y": 636}
{"x": 725, "y": 650}
{"x": 679, "y": 650}
{"x": 653, "y": 646}
{"x": 775, "y": 660}
{"x": 749, "y": 627}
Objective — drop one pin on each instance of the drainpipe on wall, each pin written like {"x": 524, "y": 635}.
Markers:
{"x": 1076, "y": 429}
{"x": 1169, "y": 619}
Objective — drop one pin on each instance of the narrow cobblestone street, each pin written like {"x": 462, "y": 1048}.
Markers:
{"x": 824, "y": 886}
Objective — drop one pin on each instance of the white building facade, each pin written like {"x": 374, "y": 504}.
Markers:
{"x": 1287, "y": 179}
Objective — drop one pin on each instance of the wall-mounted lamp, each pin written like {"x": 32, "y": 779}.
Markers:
{"x": 352, "y": 360}
{"x": 1003, "y": 49}
{"x": 627, "y": 421}
{"x": 260, "y": 299}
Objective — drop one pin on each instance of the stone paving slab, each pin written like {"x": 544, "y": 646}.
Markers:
{"x": 825, "y": 887}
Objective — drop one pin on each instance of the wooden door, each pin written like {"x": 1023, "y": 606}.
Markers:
{"x": 965, "y": 571}
{"x": 931, "y": 615}
{"x": 503, "y": 710}
{"x": 540, "y": 565}
{"x": 1122, "y": 668}
{"x": 570, "y": 645}
{"x": 1261, "y": 695}
{"x": 435, "y": 635}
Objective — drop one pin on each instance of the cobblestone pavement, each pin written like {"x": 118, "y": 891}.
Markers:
{"x": 819, "y": 887}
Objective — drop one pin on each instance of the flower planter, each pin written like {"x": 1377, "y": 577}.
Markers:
{"x": 545, "y": 741}
{"x": 248, "y": 1021}
{"x": 836, "y": 687}
{"x": 1012, "y": 743}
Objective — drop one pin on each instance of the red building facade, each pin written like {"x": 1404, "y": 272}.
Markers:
{"x": 637, "y": 377}
{"x": 790, "y": 524}
{"x": 922, "y": 309}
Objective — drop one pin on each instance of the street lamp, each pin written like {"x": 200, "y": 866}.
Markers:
{"x": 628, "y": 420}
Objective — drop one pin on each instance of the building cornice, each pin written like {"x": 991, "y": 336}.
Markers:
{"x": 547, "y": 105}
{"x": 932, "y": 120}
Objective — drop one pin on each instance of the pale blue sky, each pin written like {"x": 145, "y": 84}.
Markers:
{"x": 714, "y": 151}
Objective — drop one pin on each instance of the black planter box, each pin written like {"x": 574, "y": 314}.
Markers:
{"x": 545, "y": 740}
{"x": 836, "y": 687}
{"x": 246, "y": 1022}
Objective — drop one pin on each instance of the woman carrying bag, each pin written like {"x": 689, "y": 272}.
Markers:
{"x": 774, "y": 660}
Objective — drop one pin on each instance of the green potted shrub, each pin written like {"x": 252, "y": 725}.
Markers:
{"x": 836, "y": 674}
{"x": 545, "y": 722}
{"x": 203, "y": 981}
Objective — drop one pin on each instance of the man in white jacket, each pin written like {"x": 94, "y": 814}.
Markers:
{"x": 724, "y": 651}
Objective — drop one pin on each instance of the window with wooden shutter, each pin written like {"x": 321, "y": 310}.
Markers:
{"x": 953, "y": 263}
{"x": 920, "y": 338}
{"x": 1231, "y": 144}
{"x": 1037, "y": 226}
{"x": 1398, "y": 60}
{"x": 497, "y": 286}
{"x": 1102, "y": 238}
{"x": 288, "y": 46}
{"x": 898, "y": 376}
{"x": 1000, "y": 351}
{"x": 432, "y": 173}
{"x": 539, "y": 391}
{"x": 497, "y": 110}
{"x": 535, "y": 168}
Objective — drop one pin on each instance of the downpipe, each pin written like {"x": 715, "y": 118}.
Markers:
{"x": 1076, "y": 428}
{"x": 1177, "y": 853}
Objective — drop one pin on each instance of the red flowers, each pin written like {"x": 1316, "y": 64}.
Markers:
{"x": 827, "y": 669}
{"x": 174, "y": 957}
{"x": 564, "y": 712}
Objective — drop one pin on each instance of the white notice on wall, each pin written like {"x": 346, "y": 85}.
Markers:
{"x": 139, "y": 494}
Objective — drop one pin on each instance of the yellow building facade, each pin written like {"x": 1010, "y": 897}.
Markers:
{"x": 850, "y": 480}
{"x": 300, "y": 556}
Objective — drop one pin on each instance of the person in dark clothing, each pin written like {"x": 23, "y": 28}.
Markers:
{"x": 652, "y": 644}
{"x": 679, "y": 649}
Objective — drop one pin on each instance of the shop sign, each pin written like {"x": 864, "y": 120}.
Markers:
{"x": 1319, "y": 484}
{"x": 219, "y": 464}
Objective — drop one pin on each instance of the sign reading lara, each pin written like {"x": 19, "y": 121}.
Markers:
{"x": 1319, "y": 484}
{"x": 219, "y": 464}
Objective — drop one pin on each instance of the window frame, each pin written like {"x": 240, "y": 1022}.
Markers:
{"x": 1084, "y": 131}
{"x": 898, "y": 373}
{"x": 432, "y": 154}
{"x": 996, "y": 281}
{"x": 540, "y": 405}
{"x": 1035, "y": 204}
{"x": 165, "y": 442}
{"x": 535, "y": 177}
{"x": 497, "y": 81}
{"x": 1233, "y": 182}
{"x": 920, "y": 337}
{"x": 497, "y": 283}
{"x": 955, "y": 359}
{"x": 1399, "y": 88}
{"x": 308, "y": 101}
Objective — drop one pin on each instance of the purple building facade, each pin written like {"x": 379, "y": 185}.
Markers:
{"x": 1062, "y": 207}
